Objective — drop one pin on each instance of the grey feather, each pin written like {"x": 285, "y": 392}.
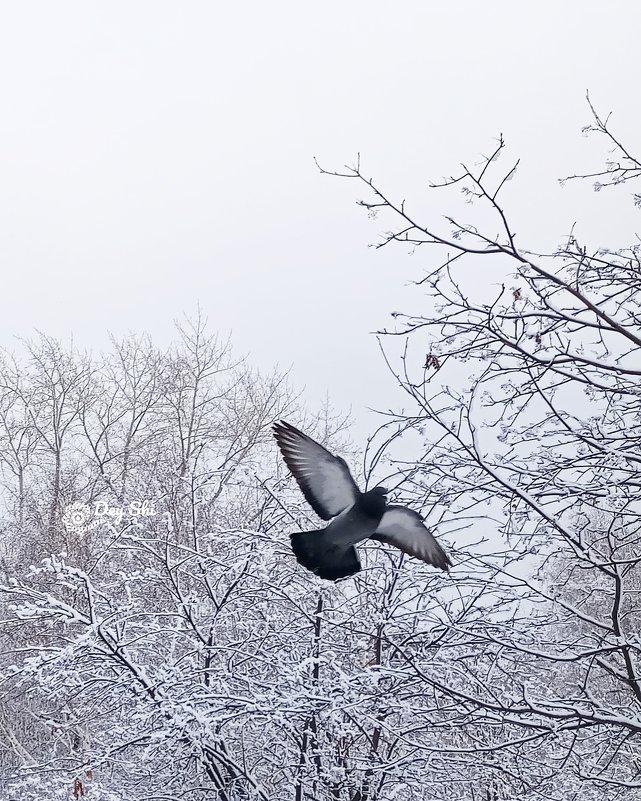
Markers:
{"x": 406, "y": 530}
{"x": 325, "y": 479}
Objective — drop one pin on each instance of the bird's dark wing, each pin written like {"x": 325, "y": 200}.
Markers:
{"x": 324, "y": 478}
{"x": 405, "y": 529}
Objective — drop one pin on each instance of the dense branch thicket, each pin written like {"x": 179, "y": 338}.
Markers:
{"x": 525, "y": 381}
{"x": 159, "y": 639}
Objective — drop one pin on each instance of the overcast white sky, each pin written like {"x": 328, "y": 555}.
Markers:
{"x": 154, "y": 155}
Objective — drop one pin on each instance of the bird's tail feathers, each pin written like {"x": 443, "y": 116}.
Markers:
{"x": 331, "y": 563}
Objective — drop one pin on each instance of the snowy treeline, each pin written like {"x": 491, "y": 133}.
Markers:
{"x": 175, "y": 650}
{"x": 159, "y": 639}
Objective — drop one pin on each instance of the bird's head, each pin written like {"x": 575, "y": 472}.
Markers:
{"x": 373, "y": 502}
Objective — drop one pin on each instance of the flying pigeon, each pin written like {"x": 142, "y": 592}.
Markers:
{"x": 332, "y": 493}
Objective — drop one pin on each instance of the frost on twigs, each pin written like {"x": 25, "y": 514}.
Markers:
{"x": 524, "y": 447}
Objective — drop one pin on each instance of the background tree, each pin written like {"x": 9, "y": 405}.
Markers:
{"x": 184, "y": 653}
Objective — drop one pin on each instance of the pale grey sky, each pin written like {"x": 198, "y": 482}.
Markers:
{"x": 154, "y": 155}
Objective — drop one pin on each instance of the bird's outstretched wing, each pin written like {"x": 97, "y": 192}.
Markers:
{"x": 405, "y": 529}
{"x": 324, "y": 478}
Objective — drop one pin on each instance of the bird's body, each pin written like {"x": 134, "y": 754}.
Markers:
{"x": 359, "y": 521}
{"x": 330, "y": 552}
{"x": 355, "y": 516}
